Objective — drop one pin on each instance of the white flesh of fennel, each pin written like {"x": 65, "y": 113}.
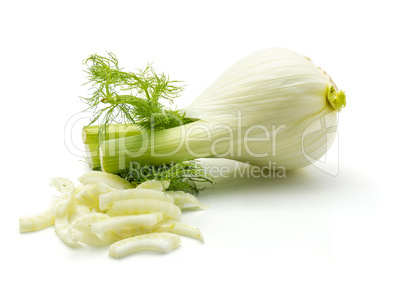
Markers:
{"x": 273, "y": 106}
{"x": 277, "y": 96}
{"x": 143, "y": 217}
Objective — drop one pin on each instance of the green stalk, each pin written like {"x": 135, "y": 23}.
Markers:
{"x": 186, "y": 142}
{"x": 113, "y": 131}
{"x": 92, "y": 155}
{"x": 91, "y": 140}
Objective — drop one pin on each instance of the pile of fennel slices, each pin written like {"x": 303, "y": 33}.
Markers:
{"x": 105, "y": 209}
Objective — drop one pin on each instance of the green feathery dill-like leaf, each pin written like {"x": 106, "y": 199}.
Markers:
{"x": 131, "y": 97}
{"x": 182, "y": 176}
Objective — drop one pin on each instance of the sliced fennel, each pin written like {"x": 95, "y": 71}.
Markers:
{"x": 111, "y": 180}
{"x": 181, "y": 199}
{"x": 154, "y": 185}
{"x": 95, "y": 213}
{"x": 138, "y": 206}
{"x": 187, "y": 230}
{"x": 149, "y": 219}
{"x": 106, "y": 201}
{"x": 162, "y": 242}
{"x": 36, "y": 222}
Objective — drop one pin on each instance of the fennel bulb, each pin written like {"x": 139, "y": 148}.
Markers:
{"x": 272, "y": 106}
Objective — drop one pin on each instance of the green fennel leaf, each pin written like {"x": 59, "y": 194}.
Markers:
{"x": 131, "y": 97}
{"x": 182, "y": 176}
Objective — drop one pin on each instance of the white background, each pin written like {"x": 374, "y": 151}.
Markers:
{"x": 309, "y": 229}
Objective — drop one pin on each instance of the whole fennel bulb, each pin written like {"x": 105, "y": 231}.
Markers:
{"x": 282, "y": 91}
{"x": 272, "y": 106}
